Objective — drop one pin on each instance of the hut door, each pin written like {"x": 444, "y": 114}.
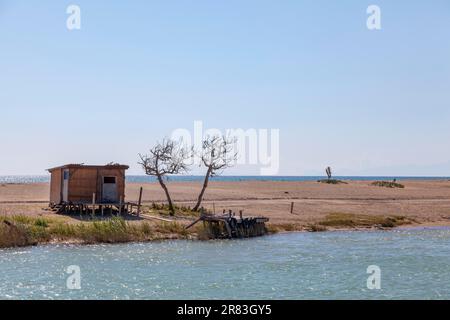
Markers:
{"x": 65, "y": 186}
{"x": 110, "y": 190}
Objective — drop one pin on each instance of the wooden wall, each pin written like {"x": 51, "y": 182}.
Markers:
{"x": 84, "y": 182}
{"x": 56, "y": 186}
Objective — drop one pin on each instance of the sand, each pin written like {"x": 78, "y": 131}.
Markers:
{"x": 427, "y": 202}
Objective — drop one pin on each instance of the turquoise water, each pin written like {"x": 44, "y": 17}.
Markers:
{"x": 144, "y": 179}
{"x": 332, "y": 265}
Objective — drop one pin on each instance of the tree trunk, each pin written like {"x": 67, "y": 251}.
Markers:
{"x": 205, "y": 185}
{"x": 169, "y": 199}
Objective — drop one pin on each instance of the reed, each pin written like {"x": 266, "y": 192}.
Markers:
{"x": 18, "y": 231}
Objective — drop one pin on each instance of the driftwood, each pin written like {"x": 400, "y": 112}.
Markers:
{"x": 194, "y": 223}
{"x": 146, "y": 216}
{"x": 9, "y": 224}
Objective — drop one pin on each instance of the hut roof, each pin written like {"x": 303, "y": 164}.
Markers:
{"x": 83, "y": 166}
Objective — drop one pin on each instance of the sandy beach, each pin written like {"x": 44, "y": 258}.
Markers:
{"x": 424, "y": 202}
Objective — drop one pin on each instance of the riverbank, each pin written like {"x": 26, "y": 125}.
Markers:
{"x": 22, "y": 231}
{"x": 317, "y": 206}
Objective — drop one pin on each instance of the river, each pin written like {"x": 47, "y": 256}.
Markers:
{"x": 414, "y": 264}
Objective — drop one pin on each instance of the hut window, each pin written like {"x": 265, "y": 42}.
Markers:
{"x": 109, "y": 180}
{"x": 66, "y": 175}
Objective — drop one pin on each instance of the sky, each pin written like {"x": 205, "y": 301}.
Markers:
{"x": 365, "y": 102}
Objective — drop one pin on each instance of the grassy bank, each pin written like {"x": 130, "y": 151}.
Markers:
{"x": 346, "y": 221}
{"x": 18, "y": 231}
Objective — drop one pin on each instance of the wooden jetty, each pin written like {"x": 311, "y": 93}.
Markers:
{"x": 228, "y": 226}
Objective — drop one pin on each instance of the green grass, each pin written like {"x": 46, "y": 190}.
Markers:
{"x": 172, "y": 227}
{"x": 387, "y": 184}
{"x": 17, "y": 231}
{"x": 348, "y": 220}
{"x": 163, "y": 209}
{"x": 284, "y": 227}
{"x": 41, "y": 223}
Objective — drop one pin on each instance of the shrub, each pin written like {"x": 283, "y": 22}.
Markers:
{"x": 387, "y": 184}
{"x": 332, "y": 181}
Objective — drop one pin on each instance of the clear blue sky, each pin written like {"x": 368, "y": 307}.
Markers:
{"x": 365, "y": 102}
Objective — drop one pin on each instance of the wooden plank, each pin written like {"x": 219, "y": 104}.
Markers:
{"x": 140, "y": 201}
{"x": 156, "y": 218}
{"x": 193, "y": 223}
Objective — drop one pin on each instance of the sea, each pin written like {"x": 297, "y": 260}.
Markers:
{"x": 30, "y": 179}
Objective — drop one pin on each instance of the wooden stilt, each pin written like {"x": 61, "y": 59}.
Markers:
{"x": 120, "y": 205}
{"x": 93, "y": 204}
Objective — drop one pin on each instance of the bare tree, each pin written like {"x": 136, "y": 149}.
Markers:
{"x": 167, "y": 157}
{"x": 217, "y": 154}
{"x": 328, "y": 171}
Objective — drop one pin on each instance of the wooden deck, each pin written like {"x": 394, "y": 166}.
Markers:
{"x": 98, "y": 208}
{"x": 93, "y": 206}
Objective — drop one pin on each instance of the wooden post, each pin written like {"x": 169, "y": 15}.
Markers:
{"x": 120, "y": 205}
{"x": 93, "y": 204}
{"x": 292, "y": 207}
{"x": 227, "y": 226}
{"x": 140, "y": 201}
{"x": 240, "y": 214}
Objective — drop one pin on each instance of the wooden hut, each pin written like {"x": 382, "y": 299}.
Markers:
{"x": 76, "y": 184}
